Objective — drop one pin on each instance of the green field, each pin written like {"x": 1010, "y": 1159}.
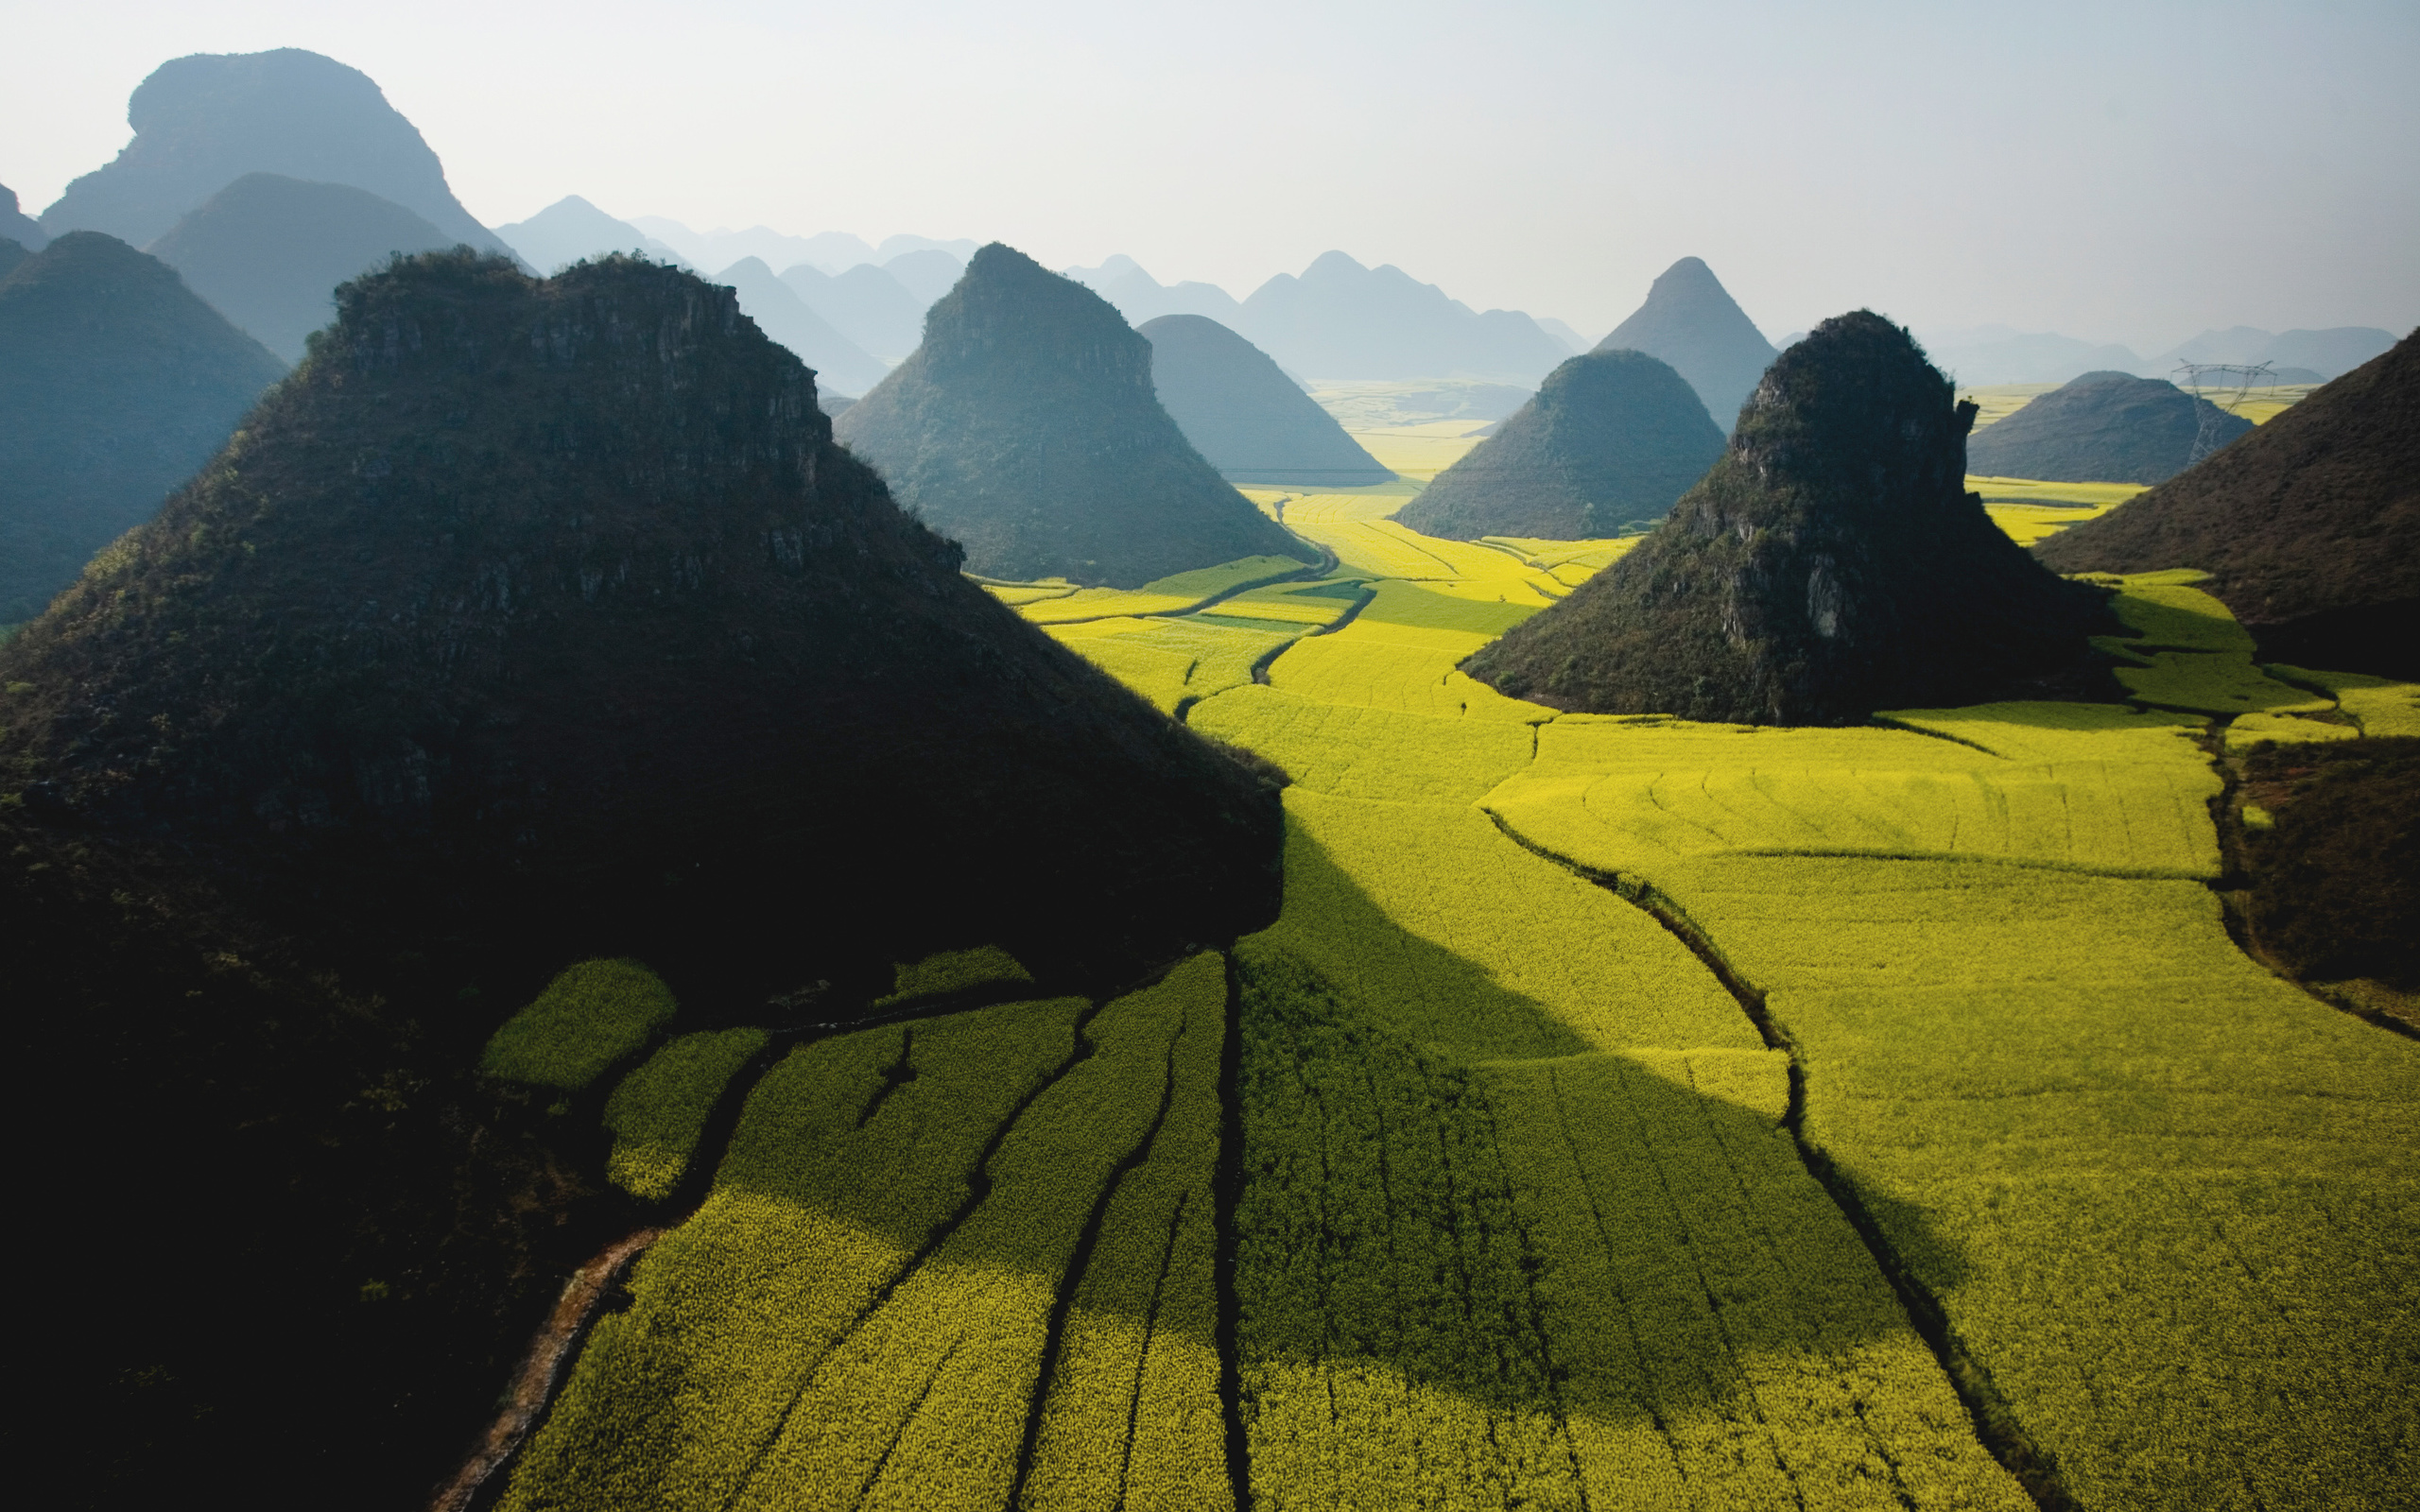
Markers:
{"x": 1626, "y": 1113}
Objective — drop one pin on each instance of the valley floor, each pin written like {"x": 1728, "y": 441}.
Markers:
{"x": 1622, "y": 1113}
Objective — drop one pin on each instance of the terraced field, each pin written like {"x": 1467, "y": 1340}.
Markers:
{"x": 1622, "y": 1112}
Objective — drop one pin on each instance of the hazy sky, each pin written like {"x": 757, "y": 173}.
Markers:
{"x": 2119, "y": 170}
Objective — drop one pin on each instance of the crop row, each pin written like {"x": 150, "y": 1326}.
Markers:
{"x": 592, "y": 1015}
{"x": 1600, "y": 1281}
{"x": 1164, "y": 595}
{"x": 658, "y": 1112}
{"x": 1171, "y": 661}
{"x": 2167, "y": 1201}
{"x": 861, "y": 1313}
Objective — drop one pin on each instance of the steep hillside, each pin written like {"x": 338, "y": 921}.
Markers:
{"x": 1829, "y": 565}
{"x": 118, "y": 382}
{"x": 1244, "y": 415}
{"x": 1340, "y": 319}
{"x": 1691, "y": 322}
{"x": 2103, "y": 427}
{"x": 1610, "y": 440}
{"x": 1026, "y": 427}
{"x": 267, "y": 251}
{"x": 525, "y": 594}
{"x": 202, "y": 122}
{"x": 840, "y": 365}
{"x": 2310, "y": 525}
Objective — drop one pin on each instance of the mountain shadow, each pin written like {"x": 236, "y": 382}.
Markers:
{"x": 1829, "y": 565}
{"x": 268, "y": 251}
{"x": 1691, "y": 322}
{"x": 117, "y": 383}
{"x": 1244, "y": 415}
{"x": 2310, "y": 525}
{"x": 202, "y": 122}
{"x": 1026, "y": 427}
{"x": 1608, "y": 442}
{"x": 2103, "y": 427}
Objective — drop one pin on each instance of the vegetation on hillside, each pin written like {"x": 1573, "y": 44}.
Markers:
{"x": 1830, "y": 564}
{"x": 1603, "y": 449}
{"x": 2103, "y": 427}
{"x": 1025, "y": 428}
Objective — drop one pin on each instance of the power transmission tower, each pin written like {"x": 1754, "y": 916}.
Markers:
{"x": 2233, "y": 381}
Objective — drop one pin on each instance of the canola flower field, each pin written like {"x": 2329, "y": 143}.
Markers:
{"x": 1621, "y": 1112}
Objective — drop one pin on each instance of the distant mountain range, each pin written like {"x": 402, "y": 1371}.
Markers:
{"x": 833, "y": 252}
{"x": 1340, "y": 319}
{"x": 839, "y": 363}
{"x": 202, "y": 122}
{"x": 2001, "y": 354}
{"x": 571, "y": 229}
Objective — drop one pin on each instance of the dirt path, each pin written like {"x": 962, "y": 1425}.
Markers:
{"x": 534, "y": 1385}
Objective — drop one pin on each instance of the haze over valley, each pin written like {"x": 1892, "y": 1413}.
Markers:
{"x": 1084, "y": 759}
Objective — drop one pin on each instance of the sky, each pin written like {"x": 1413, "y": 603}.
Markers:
{"x": 2133, "y": 172}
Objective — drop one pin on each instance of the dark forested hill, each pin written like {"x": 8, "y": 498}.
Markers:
{"x": 1244, "y": 415}
{"x": 1691, "y": 322}
{"x": 268, "y": 251}
{"x": 1609, "y": 441}
{"x": 528, "y": 622}
{"x": 116, "y": 382}
{"x": 202, "y": 122}
{"x": 2310, "y": 525}
{"x": 1026, "y": 427}
{"x": 1829, "y": 565}
{"x": 2103, "y": 427}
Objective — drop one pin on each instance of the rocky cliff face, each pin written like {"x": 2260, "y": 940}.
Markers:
{"x": 1026, "y": 427}
{"x": 529, "y": 600}
{"x": 1610, "y": 440}
{"x": 1829, "y": 565}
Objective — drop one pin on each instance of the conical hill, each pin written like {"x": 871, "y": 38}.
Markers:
{"x": 1691, "y": 322}
{"x": 1611, "y": 438}
{"x": 2310, "y": 525}
{"x": 1242, "y": 413}
{"x": 547, "y": 611}
{"x": 1026, "y": 428}
{"x": 1829, "y": 565}
{"x": 267, "y": 251}
{"x": 116, "y": 382}
{"x": 2103, "y": 427}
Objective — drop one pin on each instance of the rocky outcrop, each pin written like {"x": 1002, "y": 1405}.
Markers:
{"x": 1606, "y": 446}
{"x": 1026, "y": 427}
{"x": 1831, "y": 564}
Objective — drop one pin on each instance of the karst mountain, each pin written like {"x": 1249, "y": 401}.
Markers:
{"x": 1606, "y": 446}
{"x": 1026, "y": 427}
{"x": 267, "y": 251}
{"x": 1244, "y": 415}
{"x": 2103, "y": 427}
{"x": 1690, "y": 321}
{"x": 1831, "y": 564}
{"x": 204, "y": 121}
{"x": 2310, "y": 526}
{"x": 16, "y": 226}
{"x": 118, "y": 382}
{"x": 525, "y": 595}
